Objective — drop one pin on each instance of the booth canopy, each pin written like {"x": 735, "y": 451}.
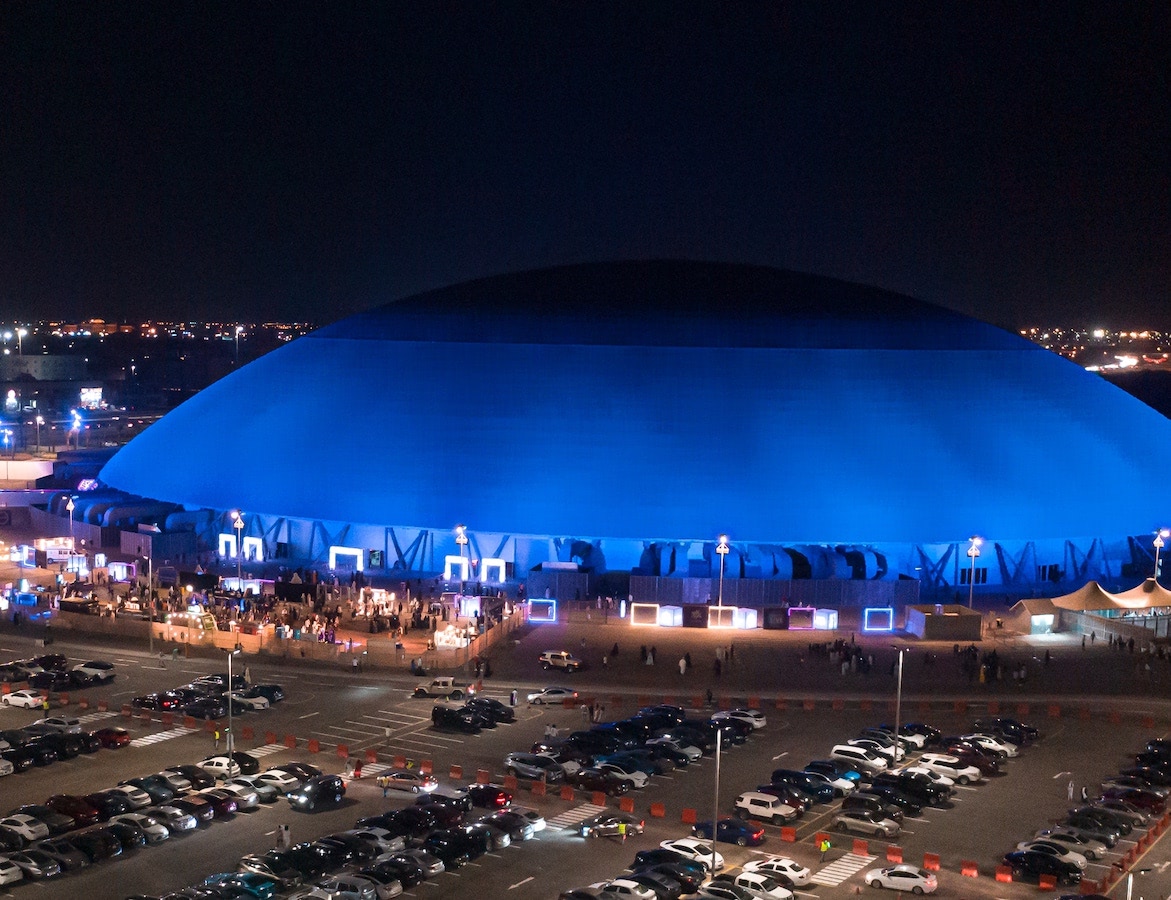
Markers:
{"x": 1092, "y": 597}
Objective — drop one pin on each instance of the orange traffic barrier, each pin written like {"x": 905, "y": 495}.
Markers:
{"x": 246, "y": 732}
{"x": 270, "y": 737}
{"x": 1115, "y": 718}
{"x": 343, "y": 750}
{"x": 1047, "y": 883}
{"x": 960, "y": 707}
{"x": 400, "y": 762}
{"x": 567, "y": 792}
{"x": 821, "y": 836}
{"x": 924, "y": 707}
{"x": 697, "y": 702}
{"x": 567, "y": 703}
{"x": 688, "y": 816}
{"x": 754, "y": 703}
{"x": 894, "y": 854}
{"x": 1054, "y": 710}
{"x": 788, "y": 834}
{"x": 127, "y": 712}
{"x": 866, "y": 705}
{"x": 644, "y": 701}
{"x": 510, "y": 783}
{"x": 1083, "y": 713}
{"x": 669, "y": 701}
{"x": 5, "y": 688}
{"x": 931, "y": 862}
{"x": 538, "y": 788}
{"x": 839, "y": 704}
{"x": 189, "y": 722}
{"x": 63, "y": 699}
{"x": 168, "y": 719}
{"x": 426, "y": 766}
{"x": 211, "y": 726}
{"x": 144, "y": 717}
{"x": 1004, "y": 874}
{"x": 725, "y": 703}
{"x": 483, "y": 776}
{"x": 616, "y": 700}
{"x": 658, "y": 810}
{"x": 371, "y": 755}
{"x": 598, "y": 798}
{"x": 314, "y": 746}
{"x": 1148, "y": 721}
{"x": 83, "y": 703}
{"x": 782, "y": 703}
{"x": 456, "y": 773}
{"x": 291, "y": 741}
{"x": 808, "y": 705}
{"x": 626, "y": 804}
{"x": 1022, "y": 709}
{"x": 969, "y": 869}
{"x": 861, "y": 847}
{"x": 993, "y": 707}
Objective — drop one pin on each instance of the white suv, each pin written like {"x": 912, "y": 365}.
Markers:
{"x": 754, "y": 805}
{"x": 560, "y": 659}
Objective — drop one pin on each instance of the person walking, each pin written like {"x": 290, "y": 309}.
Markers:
{"x": 682, "y": 666}
{"x": 216, "y": 739}
{"x": 162, "y": 660}
{"x": 1085, "y": 794}
{"x": 824, "y": 847}
{"x": 1069, "y": 792}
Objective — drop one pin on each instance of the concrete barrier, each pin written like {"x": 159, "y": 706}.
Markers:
{"x": 626, "y": 804}
{"x": 781, "y": 704}
{"x": 1115, "y": 718}
{"x": 960, "y": 707}
{"x": 127, "y": 712}
{"x": 808, "y": 705}
{"x": 427, "y": 767}
{"x": 894, "y": 854}
{"x": 456, "y": 773}
{"x": 598, "y": 798}
{"x": 291, "y": 741}
{"x": 1148, "y": 721}
{"x": 483, "y": 776}
{"x": 538, "y": 788}
{"x": 993, "y": 707}
{"x": 1022, "y": 709}
{"x": 400, "y": 762}
{"x": 144, "y": 717}
{"x": 1004, "y": 874}
{"x": 969, "y": 869}
{"x": 567, "y": 792}
{"x": 867, "y": 705}
{"x": 510, "y": 783}
{"x": 754, "y": 703}
{"x": 931, "y": 862}
{"x": 861, "y": 847}
{"x": 211, "y": 726}
{"x": 1047, "y": 883}
{"x": 189, "y": 722}
{"x": 839, "y": 704}
{"x": 168, "y": 719}
{"x": 246, "y": 733}
{"x": 1054, "y": 711}
{"x": 63, "y": 700}
{"x": 270, "y": 737}
{"x": 658, "y": 811}
{"x": 1084, "y": 713}
{"x": 343, "y": 750}
{"x": 788, "y": 834}
{"x": 83, "y": 703}
{"x": 688, "y": 816}
{"x": 371, "y": 755}
{"x": 103, "y": 706}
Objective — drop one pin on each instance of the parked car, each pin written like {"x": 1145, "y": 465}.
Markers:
{"x": 786, "y": 871}
{"x": 766, "y": 807}
{"x": 492, "y": 709}
{"x": 456, "y": 719}
{"x": 959, "y": 771}
{"x": 100, "y": 671}
{"x": 112, "y": 738}
{"x": 27, "y": 699}
{"x": 742, "y": 833}
{"x": 697, "y": 850}
{"x": 317, "y": 791}
{"x": 551, "y": 695}
{"x": 489, "y": 796}
{"x": 612, "y": 823}
{"x": 1028, "y": 865}
{"x": 596, "y": 780}
{"x": 759, "y": 885}
{"x": 863, "y": 821}
{"x": 903, "y": 878}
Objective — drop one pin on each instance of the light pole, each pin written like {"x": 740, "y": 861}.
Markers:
{"x": 150, "y": 597}
{"x": 461, "y": 538}
{"x": 238, "y": 524}
{"x": 973, "y": 554}
{"x": 716, "y": 799}
{"x": 722, "y": 549}
{"x": 1160, "y": 537}
{"x": 239, "y": 330}
{"x": 8, "y": 441}
{"x": 20, "y": 333}
{"x": 898, "y": 701}
{"x": 40, "y": 422}
{"x": 229, "y": 743}
{"x": 70, "y": 507}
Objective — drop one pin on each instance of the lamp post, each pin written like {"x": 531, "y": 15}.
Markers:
{"x": 20, "y": 333}
{"x": 461, "y": 538}
{"x": 8, "y": 442}
{"x": 238, "y": 524}
{"x": 973, "y": 554}
{"x": 40, "y": 422}
{"x": 229, "y": 743}
{"x": 716, "y": 799}
{"x": 722, "y": 549}
{"x": 1160, "y": 538}
{"x": 239, "y": 331}
{"x": 150, "y": 596}
{"x": 70, "y": 507}
{"x": 898, "y": 701}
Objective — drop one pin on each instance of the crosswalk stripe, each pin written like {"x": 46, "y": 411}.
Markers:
{"x": 167, "y": 735}
{"x": 573, "y": 816}
{"x": 841, "y": 869}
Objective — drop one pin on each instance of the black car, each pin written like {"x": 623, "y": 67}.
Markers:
{"x": 66, "y": 746}
{"x": 249, "y": 764}
{"x": 690, "y": 877}
{"x": 273, "y": 865}
{"x": 456, "y": 719}
{"x": 128, "y": 834}
{"x": 90, "y": 742}
{"x": 51, "y": 661}
{"x": 919, "y": 787}
{"x": 51, "y": 681}
{"x": 664, "y": 886}
{"x": 1092, "y": 827}
{"x": 10, "y": 840}
{"x": 932, "y": 735}
{"x": 273, "y": 693}
{"x": 412, "y": 822}
{"x": 301, "y": 770}
{"x": 644, "y": 858}
{"x": 451, "y": 845}
{"x": 352, "y": 849}
{"x": 57, "y": 823}
{"x": 68, "y": 855}
{"x": 1030, "y": 865}
{"x": 156, "y": 788}
{"x": 206, "y": 708}
{"x": 408, "y": 872}
{"x": 491, "y": 709}
{"x": 195, "y": 806}
{"x": 1017, "y": 732}
{"x": 1149, "y": 775}
{"x": 815, "y": 787}
{"x": 96, "y": 844}
{"x": 1116, "y": 820}
{"x": 320, "y": 790}
{"x": 109, "y": 804}
{"x": 22, "y": 758}
{"x": 597, "y": 780}
{"x": 311, "y": 862}
{"x": 198, "y": 777}
{"x": 489, "y": 796}
{"x": 448, "y": 811}
{"x": 219, "y": 682}
{"x": 897, "y": 797}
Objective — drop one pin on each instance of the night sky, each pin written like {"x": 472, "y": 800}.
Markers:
{"x": 265, "y": 161}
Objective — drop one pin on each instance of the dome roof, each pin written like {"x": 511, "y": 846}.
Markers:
{"x": 665, "y": 400}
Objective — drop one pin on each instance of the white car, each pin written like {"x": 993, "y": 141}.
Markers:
{"x": 379, "y": 838}
{"x": 759, "y": 885}
{"x": 694, "y": 849}
{"x": 552, "y": 695}
{"x": 765, "y": 807}
{"x": 220, "y": 766}
{"x": 902, "y": 878}
{"x": 136, "y": 796}
{"x": 266, "y": 791}
{"x": 951, "y": 766}
{"x": 6, "y": 768}
{"x": 632, "y": 776}
{"x": 891, "y": 753}
{"x": 173, "y": 819}
{"x": 1054, "y": 849}
{"x": 916, "y": 740}
{"x": 26, "y": 826}
{"x": 936, "y": 777}
{"x": 786, "y": 871}
{"x": 156, "y": 831}
{"x": 693, "y": 754}
{"x": 349, "y": 884}
{"x": 996, "y": 745}
{"x": 255, "y": 702}
{"x": 284, "y": 781}
{"x": 752, "y": 717}
{"x": 860, "y": 758}
{"x": 97, "y": 669}
{"x": 623, "y": 888}
{"x": 26, "y": 699}
{"x": 10, "y": 872}
{"x": 61, "y": 724}
{"x": 245, "y": 797}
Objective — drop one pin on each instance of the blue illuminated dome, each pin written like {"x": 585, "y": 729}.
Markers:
{"x": 665, "y": 401}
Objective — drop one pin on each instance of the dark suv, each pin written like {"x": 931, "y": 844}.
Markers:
{"x": 456, "y": 719}
{"x": 317, "y": 791}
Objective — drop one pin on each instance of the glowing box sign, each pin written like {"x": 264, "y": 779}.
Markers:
{"x": 644, "y": 614}
{"x": 543, "y": 611}
{"x": 878, "y": 618}
{"x": 801, "y": 618}
{"x": 451, "y": 563}
{"x": 670, "y": 616}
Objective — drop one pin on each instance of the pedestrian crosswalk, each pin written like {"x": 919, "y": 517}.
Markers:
{"x": 265, "y": 749}
{"x": 841, "y": 869}
{"x": 95, "y": 717}
{"x": 571, "y": 817}
{"x": 147, "y": 740}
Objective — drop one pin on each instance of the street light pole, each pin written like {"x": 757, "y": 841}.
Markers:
{"x": 40, "y": 422}
{"x": 722, "y": 549}
{"x": 69, "y": 506}
{"x": 1160, "y": 537}
{"x": 716, "y": 799}
{"x": 230, "y": 743}
{"x": 150, "y": 597}
{"x": 898, "y": 701}
{"x": 238, "y": 524}
{"x": 973, "y": 555}
{"x": 461, "y": 538}
{"x": 20, "y": 333}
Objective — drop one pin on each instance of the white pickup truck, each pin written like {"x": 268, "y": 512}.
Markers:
{"x": 444, "y": 686}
